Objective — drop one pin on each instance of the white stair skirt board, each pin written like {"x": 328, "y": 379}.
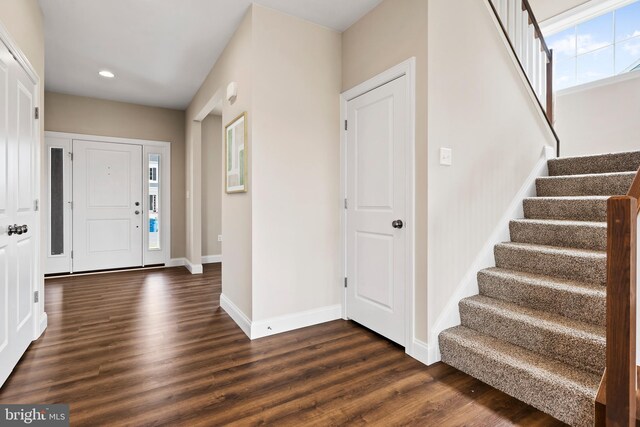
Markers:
{"x": 468, "y": 286}
{"x": 280, "y": 324}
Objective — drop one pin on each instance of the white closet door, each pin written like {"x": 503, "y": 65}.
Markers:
{"x": 18, "y": 217}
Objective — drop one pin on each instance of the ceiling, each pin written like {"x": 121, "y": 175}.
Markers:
{"x": 160, "y": 50}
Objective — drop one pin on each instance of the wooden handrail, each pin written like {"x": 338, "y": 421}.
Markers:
{"x": 548, "y": 111}
{"x": 616, "y": 403}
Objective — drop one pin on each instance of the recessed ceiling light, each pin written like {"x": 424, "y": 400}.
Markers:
{"x": 107, "y": 74}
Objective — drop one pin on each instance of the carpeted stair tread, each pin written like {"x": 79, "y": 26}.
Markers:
{"x": 575, "y": 300}
{"x": 558, "y": 389}
{"x": 570, "y": 234}
{"x": 602, "y": 163}
{"x": 607, "y": 184}
{"x": 577, "y": 208}
{"x": 566, "y": 263}
{"x": 576, "y": 343}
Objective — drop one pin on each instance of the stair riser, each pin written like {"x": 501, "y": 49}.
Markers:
{"x": 585, "y": 307}
{"x": 606, "y": 185}
{"x": 564, "y": 403}
{"x": 575, "y": 210}
{"x": 568, "y": 236}
{"x": 617, "y": 162}
{"x": 581, "y": 352}
{"x": 590, "y": 269}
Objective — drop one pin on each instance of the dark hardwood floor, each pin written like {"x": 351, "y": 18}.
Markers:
{"x": 154, "y": 348}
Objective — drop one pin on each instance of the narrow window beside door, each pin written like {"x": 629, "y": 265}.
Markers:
{"x": 57, "y": 201}
{"x": 154, "y": 202}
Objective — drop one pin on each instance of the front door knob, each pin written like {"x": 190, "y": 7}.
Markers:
{"x": 397, "y": 224}
{"x": 137, "y": 212}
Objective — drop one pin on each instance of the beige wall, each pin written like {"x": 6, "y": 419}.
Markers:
{"x": 393, "y": 32}
{"x": 545, "y": 9}
{"x": 486, "y": 116}
{"x": 296, "y": 151}
{"x": 75, "y": 114}
{"x": 600, "y": 119}
{"x": 234, "y": 65}
{"x": 212, "y": 186}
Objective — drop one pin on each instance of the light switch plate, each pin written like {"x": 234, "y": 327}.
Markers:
{"x": 446, "y": 156}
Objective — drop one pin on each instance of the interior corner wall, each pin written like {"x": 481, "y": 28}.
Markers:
{"x": 212, "y": 185}
{"x": 393, "y": 32}
{"x": 296, "y": 151}
{"x": 90, "y": 116}
{"x": 599, "y": 119}
{"x": 234, "y": 65}
{"x": 486, "y": 115}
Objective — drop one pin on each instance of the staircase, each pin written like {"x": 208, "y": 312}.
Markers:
{"x": 537, "y": 329}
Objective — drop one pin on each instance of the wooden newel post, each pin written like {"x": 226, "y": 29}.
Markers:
{"x": 622, "y": 213}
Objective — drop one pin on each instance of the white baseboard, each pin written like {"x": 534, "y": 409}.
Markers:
{"x": 468, "y": 286}
{"x": 236, "y": 314}
{"x": 289, "y": 322}
{"x": 422, "y": 352}
{"x": 280, "y": 324}
{"x": 43, "y": 324}
{"x": 176, "y": 262}
{"x": 193, "y": 268}
{"x": 211, "y": 259}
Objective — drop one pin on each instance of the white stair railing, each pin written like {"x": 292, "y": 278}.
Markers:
{"x": 536, "y": 59}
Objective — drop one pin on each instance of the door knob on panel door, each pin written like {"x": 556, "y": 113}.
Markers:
{"x": 397, "y": 224}
{"x": 137, "y": 212}
{"x": 12, "y": 229}
{"x": 25, "y": 229}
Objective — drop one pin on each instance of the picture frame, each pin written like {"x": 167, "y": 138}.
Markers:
{"x": 235, "y": 144}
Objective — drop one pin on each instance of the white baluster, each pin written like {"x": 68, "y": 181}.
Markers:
{"x": 526, "y": 44}
{"x": 503, "y": 10}
{"x": 516, "y": 38}
{"x": 543, "y": 79}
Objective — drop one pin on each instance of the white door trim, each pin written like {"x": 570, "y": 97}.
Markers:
{"x": 408, "y": 69}
{"x": 163, "y": 146}
{"x": 40, "y": 320}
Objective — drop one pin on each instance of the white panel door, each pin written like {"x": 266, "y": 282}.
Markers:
{"x": 18, "y": 176}
{"x": 376, "y": 139}
{"x": 107, "y": 206}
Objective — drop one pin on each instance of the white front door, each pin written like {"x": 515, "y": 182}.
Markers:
{"x": 18, "y": 150}
{"x": 107, "y": 206}
{"x": 376, "y": 142}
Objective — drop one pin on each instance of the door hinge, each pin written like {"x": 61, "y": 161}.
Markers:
{"x": 37, "y": 113}
{"x": 346, "y": 126}
{"x": 71, "y": 204}
{"x": 345, "y": 282}
{"x": 36, "y": 205}
{"x": 70, "y": 156}
{"x": 36, "y": 296}
{"x": 71, "y": 254}
{"x": 346, "y": 204}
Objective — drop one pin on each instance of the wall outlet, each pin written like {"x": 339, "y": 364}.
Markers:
{"x": 446, "y": 156}
{"x": 219, "y": 237}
